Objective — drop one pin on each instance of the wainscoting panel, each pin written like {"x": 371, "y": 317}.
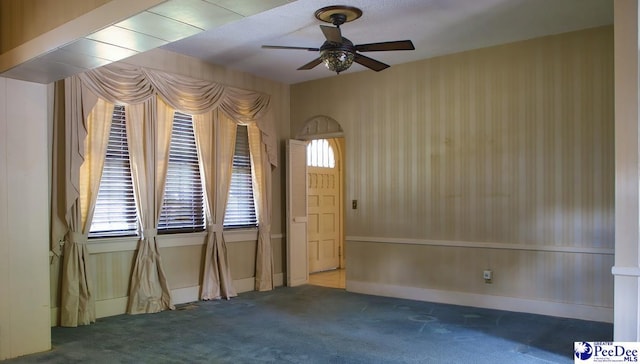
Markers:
{"x": 591, "y": 313}
{"x": 442, "y": 273}
{"x": 112, "y": 274}
{"x": 183, "y": 261}
{"x": 183, "y": 264}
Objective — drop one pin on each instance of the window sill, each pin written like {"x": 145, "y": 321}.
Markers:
{"x": 129, "y": 243}
{"x": 231, "y": 236}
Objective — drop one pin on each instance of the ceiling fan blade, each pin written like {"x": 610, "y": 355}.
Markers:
{"x": 370, "y": 63}
{"x": 311, "y": 64}
{"x": 399, "y": 45}
{"x": 287, "y": 47}
{"x": 333, "y": 34}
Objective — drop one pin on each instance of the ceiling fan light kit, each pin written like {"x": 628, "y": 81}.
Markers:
{"x": 337, "y": 60}
{"x": 337, "y": 52}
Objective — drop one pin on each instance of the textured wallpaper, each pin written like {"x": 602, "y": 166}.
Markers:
{"x": 507, "y": 144}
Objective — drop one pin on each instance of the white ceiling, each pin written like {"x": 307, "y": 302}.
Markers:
{"x": 436, "y": 27}
{"x": 230, "y": 33}
{"x": 119, "y": 29}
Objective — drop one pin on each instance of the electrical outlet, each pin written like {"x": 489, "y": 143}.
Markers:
{"x": 487, "y": 275}
{"x": 354, "y": 204}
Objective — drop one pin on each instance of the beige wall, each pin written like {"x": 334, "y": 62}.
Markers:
{"x": 182, "y": 254}
{"x": 24, "y": 220}
{"x": 23, "y": 20}
{"x": 498, "y": 158}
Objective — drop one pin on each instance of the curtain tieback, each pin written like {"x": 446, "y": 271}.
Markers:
{"x": 149, "y": 233}
{"x": 264, "y": 231}
{"x": 215, "y": 228}
{"x": 265, "y": 228}
{"x": 56, "y": 251}
{"x": 76, "y": 237}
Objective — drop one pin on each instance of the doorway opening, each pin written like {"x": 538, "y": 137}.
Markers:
{"x": 336, "y": 278}
{"x": 325, "y": 201}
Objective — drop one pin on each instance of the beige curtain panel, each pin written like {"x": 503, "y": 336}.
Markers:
{"x": 261, "y": 172}
{"x": 152, "y": 97}
{"x": 77, "y": 172}
{"x": 149, "y": 127}
{"x": 215, "y": 139}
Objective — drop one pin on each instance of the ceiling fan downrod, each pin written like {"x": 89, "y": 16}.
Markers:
{"x": 338, "y": 19}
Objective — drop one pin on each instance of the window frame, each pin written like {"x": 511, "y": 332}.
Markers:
{"x": 183, "y": 162}
{"x": 117, "y": 153}
{"x": 241, "y": 183}
{"x": 320, "y": 153}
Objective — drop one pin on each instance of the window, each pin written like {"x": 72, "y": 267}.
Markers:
{"x": 241, "y": 210}
{"x": 115, "y": 211}
{"x": 183, "y": 204}
{"x": 320, "y": 154}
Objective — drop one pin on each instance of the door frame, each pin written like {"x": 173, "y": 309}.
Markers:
{"x": 339, "y": 143}
{"x": 325, "y": 127}
{"x": 336, "y": 144}
{"x": 296, "y": 213}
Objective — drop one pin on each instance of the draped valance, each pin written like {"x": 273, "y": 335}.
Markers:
{"x": 121, "y": 83}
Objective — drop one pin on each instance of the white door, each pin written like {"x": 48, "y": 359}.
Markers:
{"x": 324, "y": 218}
{"x": 297, "y": 269}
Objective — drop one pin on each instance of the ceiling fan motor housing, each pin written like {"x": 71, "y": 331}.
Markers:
{"x": 346, "y": 45}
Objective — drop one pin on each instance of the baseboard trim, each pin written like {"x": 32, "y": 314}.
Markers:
{"x": 249, "y": 284}
{"x": 582, "y": 312}
{"x": 244, "y": 285}
{"x": 185, "y": 295}
{"x": 54, "y": 316}
{"x": 112, "y": 307}
{"x": 118, "y": 306}
{"x": 278, "y": 280}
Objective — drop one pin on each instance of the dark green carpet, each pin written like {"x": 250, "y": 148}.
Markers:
{"x": 312, "y": 324}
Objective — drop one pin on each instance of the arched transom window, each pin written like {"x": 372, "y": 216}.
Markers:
{"x": 320, "y": 154}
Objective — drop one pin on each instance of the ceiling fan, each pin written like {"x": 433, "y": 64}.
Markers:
{"x": 337, "y": 52}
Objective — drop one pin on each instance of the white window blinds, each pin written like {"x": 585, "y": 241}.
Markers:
{"x": 115, "y": 211}
{"x": 241, "y": 212}
{"x": 183, "y": 205}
